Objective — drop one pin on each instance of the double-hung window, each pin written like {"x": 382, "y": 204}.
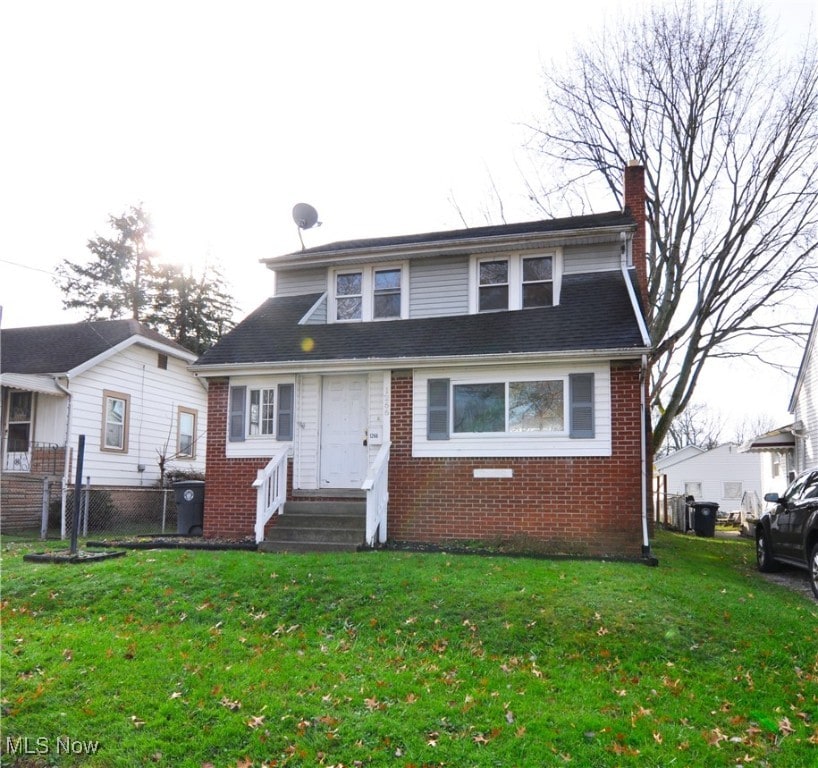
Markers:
{"x": 186, "y": 433}
{"x": 257, "y": 412}
{"x": 516, "y": 281}
{"x": 115, "y": 419}
{"x": 368, "y": 293}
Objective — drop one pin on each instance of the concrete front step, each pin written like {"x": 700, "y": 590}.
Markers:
{"x": 318, "y": 526}
{"x": 272, "y": 545}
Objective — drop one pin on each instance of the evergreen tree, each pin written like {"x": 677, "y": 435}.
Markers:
{"x": 125, "y": 279}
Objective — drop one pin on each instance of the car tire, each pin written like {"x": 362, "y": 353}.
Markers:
{"x": 813, "y": 570}
{"x": 764, "y": 557}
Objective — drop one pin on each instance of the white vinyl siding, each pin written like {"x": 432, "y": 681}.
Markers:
{"x": 155, "y": 397}
{"x": 590, "y": 258}
{"x": 49, "y": 421}
{"x": 301, "y": 281}
{"x": 513, "y": 444}
{"x": 439, "y": 287}
{"x": 805, "y": 413}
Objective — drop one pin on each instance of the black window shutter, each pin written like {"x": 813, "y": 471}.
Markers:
{"x": 438, "y": 407}
{"x": 236, "y": 420}
{"x": 284, "y": 430}
{"x": 581, "y": 404}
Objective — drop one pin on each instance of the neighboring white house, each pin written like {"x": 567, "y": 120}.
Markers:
{"x": 123, "y": 386}
{"x": 789, "y": 450}
{"x": 804, "y": 404}
{"x": 724, "y": 475}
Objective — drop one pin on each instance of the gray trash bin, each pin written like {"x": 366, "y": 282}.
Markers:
{"x": 189, "y": 507}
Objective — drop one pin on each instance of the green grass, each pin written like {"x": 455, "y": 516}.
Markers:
{"x": 181, "y": 658}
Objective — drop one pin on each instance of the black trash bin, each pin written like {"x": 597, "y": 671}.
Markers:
{"x": 704, "y": 517}
{"x": 189, "y": 507}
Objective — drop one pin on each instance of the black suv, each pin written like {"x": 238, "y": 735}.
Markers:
{"x": 788, "y": 533}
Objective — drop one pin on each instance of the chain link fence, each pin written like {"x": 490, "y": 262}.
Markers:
{"x": 33, "y": 507}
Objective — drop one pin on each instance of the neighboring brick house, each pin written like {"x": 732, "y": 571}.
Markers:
{"x": 480, "y": 384}
{"x": 125, "y": 387}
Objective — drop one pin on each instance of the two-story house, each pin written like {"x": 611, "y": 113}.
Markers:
{"x": 479, "y": 384}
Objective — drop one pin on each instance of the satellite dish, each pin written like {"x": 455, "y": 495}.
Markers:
{"x": 305, "y": 217}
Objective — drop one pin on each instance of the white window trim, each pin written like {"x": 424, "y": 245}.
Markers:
{"x": 126, "y": 421}
{"x": 507, "y": 380}
{"x": 513, "y": 444}
{"x": 515, "y": 277}
{"x": 368, "y": 291}
{"x": 247, "y": 404}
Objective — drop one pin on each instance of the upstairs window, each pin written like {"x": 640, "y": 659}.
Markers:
{"x": 349, "y": 295}
{"x": 386, "y": 294}
{"x": 538, "y": 281}
{"x": 514, "y": 282}
{"x": 493, "y": 285}
{"x": 368, "y": 293}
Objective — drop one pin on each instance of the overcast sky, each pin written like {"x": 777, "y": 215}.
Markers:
{"x": 220, "y": 116}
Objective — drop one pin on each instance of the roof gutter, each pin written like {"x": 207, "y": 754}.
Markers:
{"x": 358, "y": 364}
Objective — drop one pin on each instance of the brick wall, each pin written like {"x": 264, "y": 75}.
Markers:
{"x": 567, "y": 505}
{"x": 230, "y": 499}
{"x": 586, "y": 506}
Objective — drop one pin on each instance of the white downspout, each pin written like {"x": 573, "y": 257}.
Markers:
{"x": 67, "y": 459}
{"x": 644, "y": 460}
{"x": 627, "y": 242}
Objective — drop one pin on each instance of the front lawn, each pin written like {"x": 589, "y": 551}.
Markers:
{"x": 182, "y": 658}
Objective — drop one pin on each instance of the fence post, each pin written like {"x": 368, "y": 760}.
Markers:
{"x": 44, "y": 517}
{"x": 86, "y": 507}
{"x": 77, "y": 498}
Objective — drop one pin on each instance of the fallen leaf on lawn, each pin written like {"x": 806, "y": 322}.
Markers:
{"x": 785, "y": 726}
{"x": 230, "y": 704}
{"x": 137, "y": 723}
{"x": 509, "y": 716}
{"x": 256, "y": 721}
{"x": 176, "y": 695}
{"x": 714, "y": 737}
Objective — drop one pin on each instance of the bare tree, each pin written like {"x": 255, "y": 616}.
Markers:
{"x": 696, "y": 425}
{"x": 728, "y": 134}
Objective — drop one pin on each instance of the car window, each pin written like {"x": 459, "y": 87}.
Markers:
{"x": 810, "y": 490}
{"x": 794, "y": 491}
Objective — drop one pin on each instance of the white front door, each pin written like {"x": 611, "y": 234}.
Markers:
{"x": 343, "y": 431}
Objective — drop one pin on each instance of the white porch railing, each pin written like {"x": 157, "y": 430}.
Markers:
{"x": 376, "y": 486}
{"x": 271, "y": 490}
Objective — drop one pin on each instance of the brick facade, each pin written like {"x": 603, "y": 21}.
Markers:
{"x": 580, "y": 506}
{"x": 230, "y": 499}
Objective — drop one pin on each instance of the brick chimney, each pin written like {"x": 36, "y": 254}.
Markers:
{"x": 634, "y": 195}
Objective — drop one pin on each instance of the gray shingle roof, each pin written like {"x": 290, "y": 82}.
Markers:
{"x": 592, "y": 221}
{"x": 59, "y": 348}
{"x": 595, "y": 313}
